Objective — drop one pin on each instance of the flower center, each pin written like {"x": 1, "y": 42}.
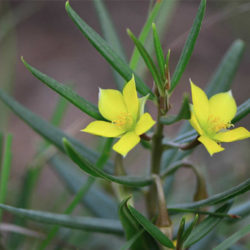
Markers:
{"x": 215, "y": 124}
{"x": 124, "y": 121}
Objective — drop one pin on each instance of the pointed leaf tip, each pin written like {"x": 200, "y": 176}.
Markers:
{"x": 67, "y": 4}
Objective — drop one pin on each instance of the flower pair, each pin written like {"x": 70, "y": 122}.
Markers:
{"x": 211, "y": 118}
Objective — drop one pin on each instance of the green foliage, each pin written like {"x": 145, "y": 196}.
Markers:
{"x": 102, "y": 189}
{"x": 233, "y": 239}
{"x": 75, "y": 222}
{"x": 66, "y": 92}
{"x": 205, "y": 226}
{"x": 147, "y": 59}
{"x": 219, "y": 198}
{"x": 92, "y": 170}
{"x": 106, "y": 51}
{"x": 132, "y": 227}
{"x": 151, "y": 228}
{"x": 110, "y": 36}
{"x": 144, "y": 33}
{"x": 189, "y": 45}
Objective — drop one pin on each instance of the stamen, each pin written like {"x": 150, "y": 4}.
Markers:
{"x": 124, "y": 120}
{"x": 216, "y": 124}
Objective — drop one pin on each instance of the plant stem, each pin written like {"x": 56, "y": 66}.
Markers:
{"x": 157, "y": 150}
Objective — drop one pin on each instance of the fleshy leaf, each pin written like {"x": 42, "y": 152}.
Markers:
{"x": 110, "y": 36}
{"x": 206, "y": 226}
{"x": 148, "y": 61}
{"x": 91, "y": 169}
{"x": 70, "y": 221}
{"x": 151, "y": 228}
{"x": 107, "y": 52}
{"x": 66, "y": 92}
{"x": 132, "y": 228}
{"x": 45, "y": 129}
{"x": 73, "y": 178}
{"x": 226, "y": 244}
{"x": 189, "y": 46}
{"x": 218, "y": 198}
{"x": 159, "y": 51}
{"x": 223, "y": 76}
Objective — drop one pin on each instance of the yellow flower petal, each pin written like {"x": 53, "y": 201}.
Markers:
{"x": 144, "y": 124}
{"x": 111, "y": 104}
{"x": 101, "y": 128}
{"x": 126, "y": 143}
{"x": 131, "y": 98}
{"x": 193, "y": 121}
{"x": 211, "y": 146}
{"x": 200, "y": 104}
{"x": 223, "y": 106}
{"x": 232, "y": 135}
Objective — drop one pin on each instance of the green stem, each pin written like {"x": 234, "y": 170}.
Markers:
{"x": 157, "y": 150}
{"x": 157, "y": 147}
{"x": 122, "y": 192}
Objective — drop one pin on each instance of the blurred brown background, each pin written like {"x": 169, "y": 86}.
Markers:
{"x": 49, "y": 41}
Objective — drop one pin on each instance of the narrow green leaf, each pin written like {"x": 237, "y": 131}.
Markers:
{"x": 190, "y": 228}
{"x": 32, "y": 174}
{"x": 242, "y": 111}
{"x": 148, "y": 61}
{"x": 161, "y": 15}
{"x": 184, "y": 113}
{"x": 180, "y": 233}
{"x": 158, "y": 51}
{"x": 173, "y": 211}
{"x": 107, "y": 52}
{"x": 132, "y": 228}
{"x": 226, "y": 244}
{"x": 128, "y": 245}
{"x": 74, "y": 179}
{"x": 66, "y": 92}
{"x": 81, "y": 193}
{"x": 5, "y": 170}
{"x": 92, "y": 170}
{"x": 222, "y": 78}
{"x": 205, "y": 226}
{"x": 70, "y": 221}
{"x": 45, "y": 129}
{"x": 242, "y": 210}
{"x": 218, "y": 198}
{"x": 189, "y": 46}
{"x": 110, "y": 36}
{"x": 144, "y": 34}
{"x": 151, "y": 228}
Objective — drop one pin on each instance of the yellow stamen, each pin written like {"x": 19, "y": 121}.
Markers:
{"x": 125, "y": 120}
{"x": 216, "y": 124}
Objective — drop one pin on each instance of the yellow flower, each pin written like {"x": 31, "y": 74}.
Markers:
{"x": 126, "y": 115}
{"x": 212, "y": 119}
